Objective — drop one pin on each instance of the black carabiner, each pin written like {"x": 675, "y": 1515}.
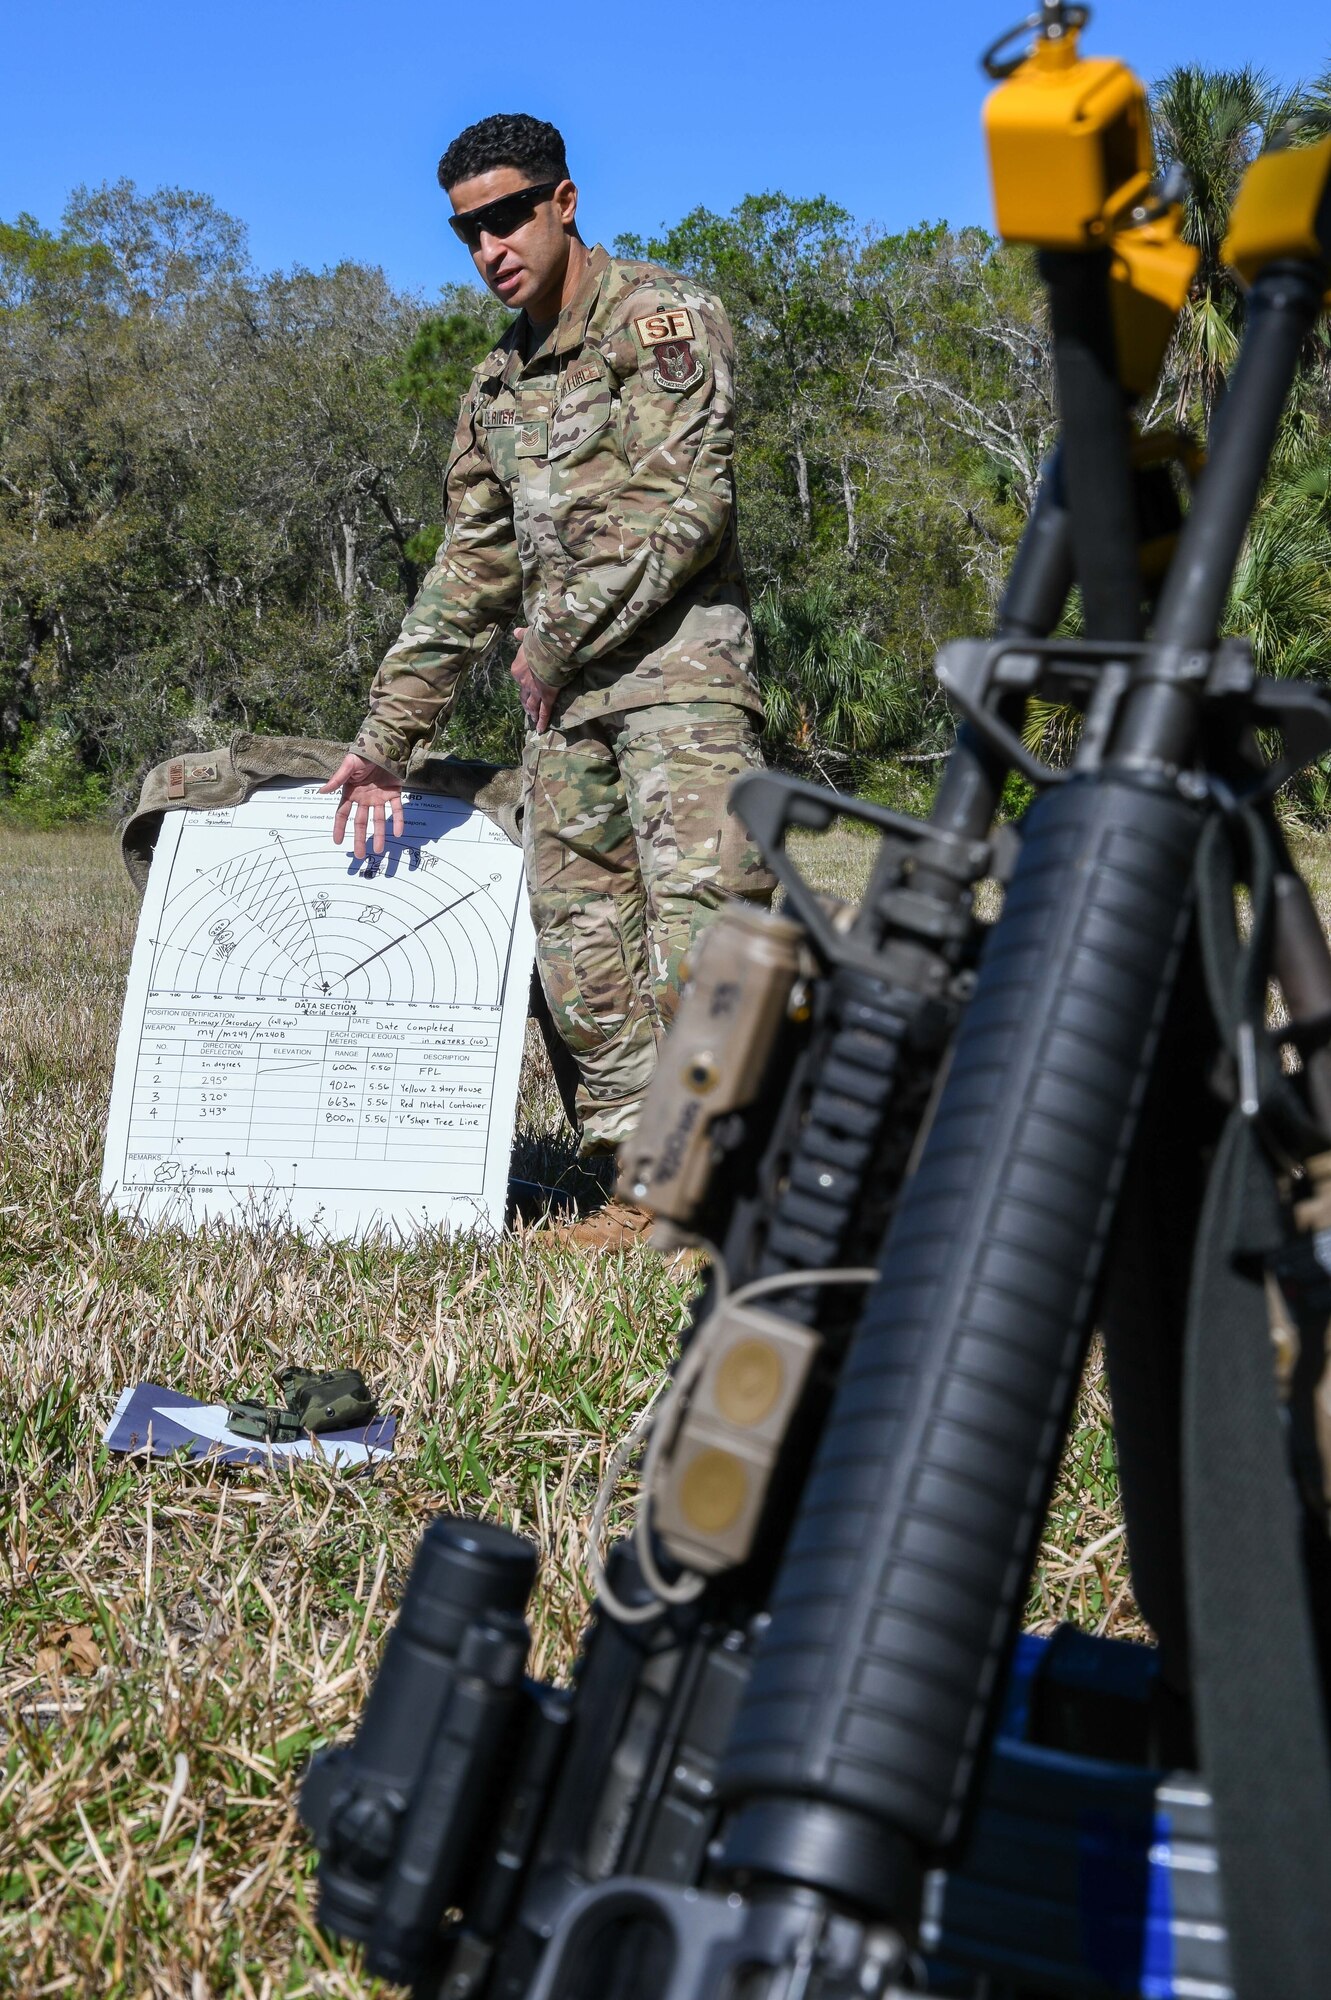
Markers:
{"x": 1053, "y": 21}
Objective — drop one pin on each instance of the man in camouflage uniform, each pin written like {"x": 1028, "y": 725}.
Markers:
{"x": 589, "y": 492}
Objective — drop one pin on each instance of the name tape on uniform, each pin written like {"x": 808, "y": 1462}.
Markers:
{"x": 671, "y": 323}
{"x": 580, "y": 378}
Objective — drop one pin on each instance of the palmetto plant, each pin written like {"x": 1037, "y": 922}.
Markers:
{"x": 1280, "y": 601}
{"x": 1282, "y": 587}
{"x": 831, "y": 696}
{"x": 1213, "y": 123}
{"x": 1282, "y": 598}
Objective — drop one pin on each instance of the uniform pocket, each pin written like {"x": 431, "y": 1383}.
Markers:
{"x": 581, "y": 418}
{"x": 499, "y": 430}
{"x": 584, "y": 461}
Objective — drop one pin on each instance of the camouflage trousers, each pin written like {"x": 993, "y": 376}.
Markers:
{"x": 630, "y": 852}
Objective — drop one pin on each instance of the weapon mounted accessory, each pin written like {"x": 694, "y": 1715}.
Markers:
{"x": 712, "y": 1484}
{"x": 721, "y": 1041}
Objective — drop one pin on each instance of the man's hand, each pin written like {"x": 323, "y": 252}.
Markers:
{"x": 537, "y": 699}
{"x": 366, "y": 788}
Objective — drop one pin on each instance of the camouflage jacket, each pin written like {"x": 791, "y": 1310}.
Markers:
{"x": 589, "y": 495}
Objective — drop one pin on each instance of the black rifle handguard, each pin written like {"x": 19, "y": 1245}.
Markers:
{"x": 874, "y": 1681}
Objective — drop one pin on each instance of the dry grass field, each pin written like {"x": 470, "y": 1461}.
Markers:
{"x": 176, "y": 1638}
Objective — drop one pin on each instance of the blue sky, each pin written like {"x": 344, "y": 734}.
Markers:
{"x": 319, "y": 125}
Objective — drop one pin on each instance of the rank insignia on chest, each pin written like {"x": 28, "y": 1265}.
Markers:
{"x": 677, "y": 366}
{"x": 531, "y": 438}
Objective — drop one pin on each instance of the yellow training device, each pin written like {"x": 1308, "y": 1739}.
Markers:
{"x": 1283, "y": 211}
{"x": 1069, "y": 142}
{"x": 1150, "y": 270}
{"x": 1073, "y": 169}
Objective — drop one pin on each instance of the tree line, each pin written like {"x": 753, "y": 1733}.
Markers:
{"x": 219, "y": 489}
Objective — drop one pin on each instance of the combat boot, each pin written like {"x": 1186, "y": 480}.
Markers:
{"x": 616, "y": 1225}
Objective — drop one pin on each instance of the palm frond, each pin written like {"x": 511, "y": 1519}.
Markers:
{"x": 1281, "y": 595}
{"x": 831, "y": 694}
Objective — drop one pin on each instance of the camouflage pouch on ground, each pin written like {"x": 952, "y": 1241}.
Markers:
{"x": 334, "y": 1399}
{"x": 317, "y": 1399}
{"x": 261, "y": 1423}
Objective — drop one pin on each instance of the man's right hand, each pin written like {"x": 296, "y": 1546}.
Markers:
{"x": 366, "y": 789}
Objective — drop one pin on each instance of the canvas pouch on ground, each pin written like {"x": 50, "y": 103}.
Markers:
{"x": 317, "y": 1400}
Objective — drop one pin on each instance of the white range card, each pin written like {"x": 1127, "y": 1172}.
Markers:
{"x": 310, "y": 1039}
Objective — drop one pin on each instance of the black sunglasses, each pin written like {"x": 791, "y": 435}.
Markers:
{"x": 502, "y": 217}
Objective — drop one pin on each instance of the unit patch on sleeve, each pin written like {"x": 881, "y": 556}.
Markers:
{"x": 670, "y": 323}
{"x": 677, "y": 366}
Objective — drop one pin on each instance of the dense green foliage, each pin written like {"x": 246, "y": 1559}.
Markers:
{"x": 218, "y": 489}
{"x": 215, "y": 489}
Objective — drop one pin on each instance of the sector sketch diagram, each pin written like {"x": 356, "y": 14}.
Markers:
{"x": 289, "y": 917}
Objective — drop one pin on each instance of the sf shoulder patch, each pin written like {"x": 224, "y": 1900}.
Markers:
{"x": 670, "y": 323}
{"x": 677, "y": 366}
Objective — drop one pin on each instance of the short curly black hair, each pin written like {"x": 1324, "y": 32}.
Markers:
{"x": 508, "y": 139}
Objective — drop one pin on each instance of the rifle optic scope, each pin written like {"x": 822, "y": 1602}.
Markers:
{"x": 427, "y": 1746}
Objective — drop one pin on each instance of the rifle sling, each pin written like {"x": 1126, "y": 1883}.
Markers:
{"x": 1257, "y": 1685}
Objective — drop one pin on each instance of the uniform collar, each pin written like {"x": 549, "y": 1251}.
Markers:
{"x": 570, "y": 329}
{"x": 510, "y": 346}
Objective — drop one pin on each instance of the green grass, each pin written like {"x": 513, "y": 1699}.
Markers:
{"x": 175, "y": 1637}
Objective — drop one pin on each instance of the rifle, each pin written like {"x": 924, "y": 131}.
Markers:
{"x": 807, "y": 1750}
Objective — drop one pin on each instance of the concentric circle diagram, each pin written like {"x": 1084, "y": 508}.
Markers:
{"x": 292, "y": 918}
